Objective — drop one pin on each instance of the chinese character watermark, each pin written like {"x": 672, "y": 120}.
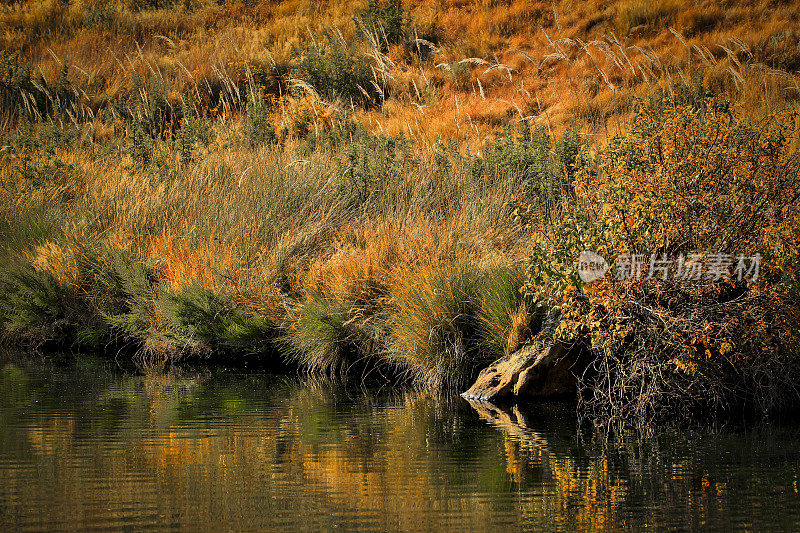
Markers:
{"x": 693, "y": 267}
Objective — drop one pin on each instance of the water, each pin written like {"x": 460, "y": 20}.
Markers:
{"x": 91, "y": 449}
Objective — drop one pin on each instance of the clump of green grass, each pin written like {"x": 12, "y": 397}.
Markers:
{"x": 339, "y": 325}
{"x": 102, "y": 297}
{"x": 327, "y": 336}
{"x": 434, "y": 329}
{"x": 212, "y": 322}
{"x": 36, "y": 305}
{"x": 451, "y": 320}
{"x": 507, "y": 318}
{"x": 120, "y": 289}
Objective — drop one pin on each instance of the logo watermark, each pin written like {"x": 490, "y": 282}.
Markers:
{"x": 591, "y": 266}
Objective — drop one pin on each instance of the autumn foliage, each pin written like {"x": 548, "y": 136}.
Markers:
{"x": 690, "y": 180}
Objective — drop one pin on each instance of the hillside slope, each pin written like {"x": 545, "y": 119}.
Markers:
{"x": 460, "y": 68}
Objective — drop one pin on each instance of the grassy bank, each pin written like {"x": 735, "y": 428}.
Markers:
{"x": 248, "y": 185}
{"x": 349, "y": 251}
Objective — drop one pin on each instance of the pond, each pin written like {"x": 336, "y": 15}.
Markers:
{"x": 91, "y": 448}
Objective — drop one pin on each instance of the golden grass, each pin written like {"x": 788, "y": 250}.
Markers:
{"x": 584, "y": 60}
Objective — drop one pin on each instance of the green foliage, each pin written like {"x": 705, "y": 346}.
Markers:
{"x": 660, "y": 102}
{"x": 194, "y": 131}
{"x": 520, "y": 151}
{"x": 344, "y": 132}
{"x": 149, "y": 117}
{"x": 186, "y": 135}
{"x": 387, "y": 18}
{"x": 366, "y": 165}
{"x": 259, "y": 128}
{"x": 552, "y": 275}
{"x": 445, "y": 159}
{"x": 371, "y": 162}
{"x": 141, "y": 5}
{"x": 21, "y": 230}
{"x": 100, "y": 16}
{"x": 15, "y": 81}
{"x": 38, "y": 308}
{"x": 140, "y": 144}
{"x": 33, "y": 162}
{"x": 148, "y": 106}
{"x": 327, "y": 336}
{"x": 122, "y": 289}
{"x": 338, "y": 72}
{"x": 269, "y": 78}
{"x": 214, "y": 321}
{"x": 546, "y": 167}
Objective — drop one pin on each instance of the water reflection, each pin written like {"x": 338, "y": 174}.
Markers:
{"x": 95, "y": 449}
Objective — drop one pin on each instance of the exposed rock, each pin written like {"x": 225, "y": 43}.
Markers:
{"x": 540, "y": 369}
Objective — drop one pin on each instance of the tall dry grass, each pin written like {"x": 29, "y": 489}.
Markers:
{"x": 310, "y": 255}
{"x": 463, "y": 71}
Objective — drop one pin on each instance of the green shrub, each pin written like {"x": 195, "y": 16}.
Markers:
{"x": 370, "y": 164}
{"x": 100, "y": 16}
{"x": 148, "y": 106}
{"x": 338, "y": 72}
{"x": 259, "y": 128}
{"x": 141, "y": 5}
{"x": 22, "y": 95}
{"x": 34, "y": 162}
{"x": 15, "y": 81}
{"x": 387, "y": 18}
{"x": 140, "y": 144}
{"x": 545, "y": 167}
{"x": 194, "y": 130}
{"x": 269, "y": 78}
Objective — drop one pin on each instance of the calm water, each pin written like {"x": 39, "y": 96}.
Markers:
{"x": 91, "y": 449}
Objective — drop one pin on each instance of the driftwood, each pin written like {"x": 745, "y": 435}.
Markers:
{"x": 543, "y": 368}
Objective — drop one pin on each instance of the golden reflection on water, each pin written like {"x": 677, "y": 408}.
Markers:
{"x": 584, "y": 496}
{"x": 260, "y": 452}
